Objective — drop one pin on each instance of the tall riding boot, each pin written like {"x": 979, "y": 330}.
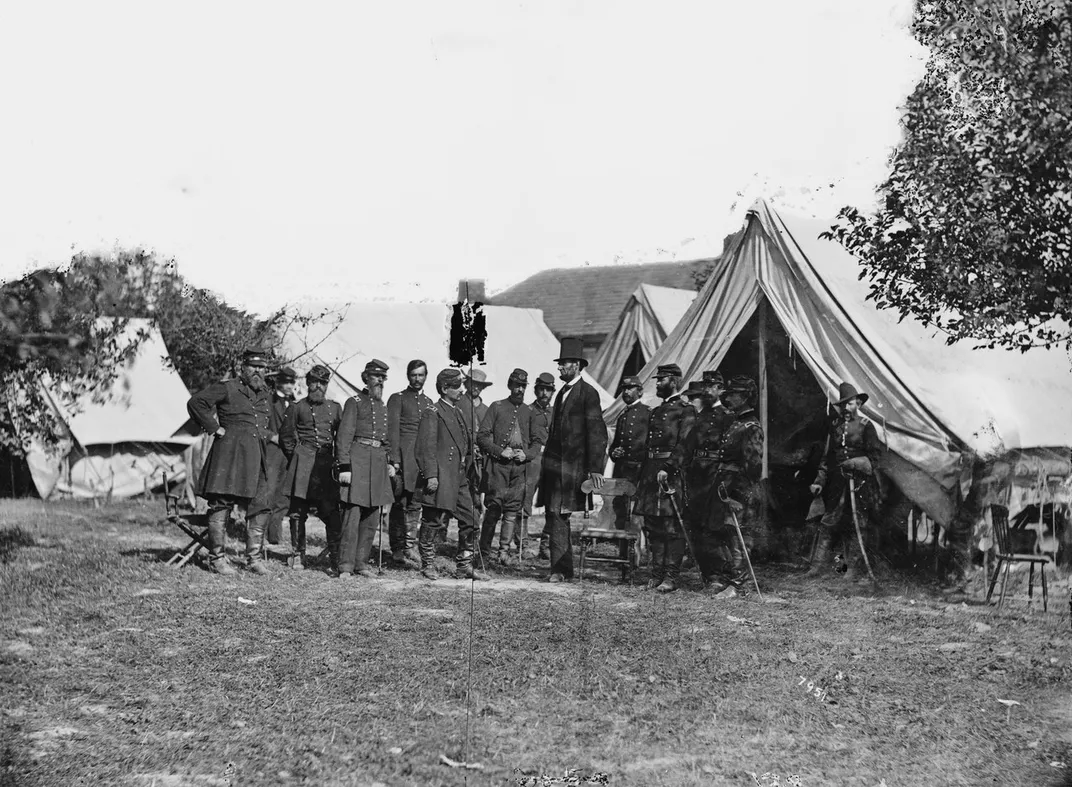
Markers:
{"x": 255, "y": 542}
{"x": 487, "y": 528}
{"x": 296, "y": 560}
{"x": 506, "y": 537}
{"x": 521, "y": 536}
{"x": 464, "y": 568}
{"x": 738, "y": 566}
{"x": 658, "y": 561}
{"x": 333, "y": 533}
{"x": 217, "y": 539}
{"x": 426, "y": 546}
{"x": 366, "y": 534}
{"x": 675, "y": 553}
{"x": 824, "y": 554}
{"x": 413, "y": 525}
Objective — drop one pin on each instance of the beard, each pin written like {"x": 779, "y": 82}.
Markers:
{"x": 317, "y": 397}
{"x": 256, "y": 382}
{"x": 376, "y": 391}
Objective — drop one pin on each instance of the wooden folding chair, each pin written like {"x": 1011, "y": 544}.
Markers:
{"x": 1005, "y": 555}
{"x": 193, "y": 525}
{"x": 603, "y": 529}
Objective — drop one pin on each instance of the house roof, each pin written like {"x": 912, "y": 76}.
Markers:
{"x": 588, "y": 301}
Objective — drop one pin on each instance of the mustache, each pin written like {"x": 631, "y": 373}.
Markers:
{"x": 316, "y": 397}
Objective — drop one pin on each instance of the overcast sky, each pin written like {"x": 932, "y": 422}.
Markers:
{"x": 281, "y": 151}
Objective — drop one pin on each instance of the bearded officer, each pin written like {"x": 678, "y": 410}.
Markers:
{"x": 307, "y": 437}
{"x": 541, "y": 409}
{"x": 237, "y": 413}
{"x": 667, "y": 426}
{"x": 361, "y": 450}
{"x": 282, "y": 384}
{"x": 629, "y": 446}
{"x": 739, "y": 469}
{"x": 403, "y": 416}
{"x": 697, "y": 458}
{"x": 505, "y": 439}
{"x": 444, "y": 453}
{"x": 853, "y": 449}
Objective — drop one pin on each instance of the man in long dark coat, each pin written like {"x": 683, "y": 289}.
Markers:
{"x": 853, "y": 450}
{"x": 697, "y": 458}
{"x": 629, "y": 446}
{"x": 364, "y": 472}
{"x": 275, "y": 462}
{"x": 739, "y": 469}
{"x": 444, "y": 452}
{"x": 540, "y": 424}
{"x": 505, "y": 439}
{"x": 576, "y": 450}
{"x": 403, "y": 416}
{"x": 473, "y": 410}
{"x": 237, "y": 413}
{"x": 308, "y": 440}
{"x": 667, "y": 426}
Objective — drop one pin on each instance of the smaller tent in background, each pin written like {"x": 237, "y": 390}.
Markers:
{"x": 119, "y": 447}
{"x": 649, "y": 316}
{"x": 352, "y": 334}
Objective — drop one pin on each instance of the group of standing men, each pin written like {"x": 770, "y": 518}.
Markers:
{"x": 695, "y": 461}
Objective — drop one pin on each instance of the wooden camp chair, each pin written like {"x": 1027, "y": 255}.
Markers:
{"x": 193, "y": 525}
{"x": 1006, "y": 556}
{"x": 602, "y": 528}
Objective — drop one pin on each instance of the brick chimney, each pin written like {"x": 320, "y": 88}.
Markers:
{"x": 474, "y": 288}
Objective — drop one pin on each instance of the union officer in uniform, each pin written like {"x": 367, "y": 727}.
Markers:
{"x": 403, "y": 415}
{"x": 667, "y": 426}
{"x": 237, "y": 412}
{"x": 308, "y": 439}
{"x": 540, "y": 425}
{"x": 853, "y": 450}
{"x": 505, "y": 439}
{"x": 739, "y": 469}
{"x": 698, "y": 457}
{"x": 629, "y": 446}
{"x": 361, "y": 451}
{"x": 275, "y": 462}
{"x": 444, "y": 454}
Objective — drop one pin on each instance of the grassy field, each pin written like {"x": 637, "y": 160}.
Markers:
{"x": 119, "y": 670}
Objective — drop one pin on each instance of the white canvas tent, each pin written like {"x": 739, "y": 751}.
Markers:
{"x": 938, "y": 407}
{"x": 396, "y": 333}
{"x": 647, "y": 319}
{"x": 119, "y": 447}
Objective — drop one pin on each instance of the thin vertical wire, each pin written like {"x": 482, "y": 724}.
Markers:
{"x": 472, "y": 579}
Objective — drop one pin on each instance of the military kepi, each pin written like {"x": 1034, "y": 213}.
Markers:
{"x": 848, "y": 391}
{"x": 572, "y": 349}
{"x": 255, "y": 356}
{"x": 668, "y": 370}
{"x": 632, "y": 381}
{"x": 519, "y": 376}
{"x": 545, "y": 380}
{"x": 376, "y": 366}
{"x": 713, "y": 378}
{"x": 318, "y": 374}
{"x": 285, "y": 375}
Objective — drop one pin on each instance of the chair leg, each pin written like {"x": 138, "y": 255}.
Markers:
{"x": 1045, "y": 594}
{"x": 993, "y": 581}
{"x": 1030, "y": 584}
{"x": 1004, "y": 583}
{"x": 191, "y": 552}
{"x": 584, "y": 549}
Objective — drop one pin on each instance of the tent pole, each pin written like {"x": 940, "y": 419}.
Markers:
{"x": 762, "y": 380}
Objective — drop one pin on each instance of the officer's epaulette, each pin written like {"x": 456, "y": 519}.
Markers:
{"x": 432, "y": 408}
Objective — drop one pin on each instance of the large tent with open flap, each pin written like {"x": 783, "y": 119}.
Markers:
{"x": 788, "y": 308}
{"x": 649, "y": 316}
{"x": 119, "y": 445}
{"x": 350, "y": 335}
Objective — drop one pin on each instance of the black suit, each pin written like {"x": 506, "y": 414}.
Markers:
{"x": 576, "y": 447}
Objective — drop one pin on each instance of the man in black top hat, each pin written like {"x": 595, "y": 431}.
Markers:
{"x": 541, "y": 413}
{"x": 505, "y": 439}
{"x": 361, "y": 449}
{"x": 237, "y": 412}
{"x": 629, "y": 447}
{"x": 282, "y": 383}
{"x": 576, "y": 451}
{"x": 307, "y": 437}
{"x": 444, "y": 452}
{"x": 667, "y": 426}
{"x": 403, "y": 416}
{"x": 853, "y": 450}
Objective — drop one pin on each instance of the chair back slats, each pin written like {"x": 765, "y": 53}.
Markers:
{"x": 1000, "y": 517}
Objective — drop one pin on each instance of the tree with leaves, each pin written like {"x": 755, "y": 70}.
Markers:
{"x": 973, "y": 235}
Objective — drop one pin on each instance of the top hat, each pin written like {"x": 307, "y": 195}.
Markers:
{"x": 848, "y": 391}
{"x": 545, "y": 380}
{"x": 318, "y": 374}
{"x": 632, "y": 381}
{"x": 255, "y": 356}
{"x": 478, "y": 377}
{"x": 572, "y": 349}
{"x": 668, "y": 370}
{"x": 519, "y": 376}
{"x": 376, "y": 366}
